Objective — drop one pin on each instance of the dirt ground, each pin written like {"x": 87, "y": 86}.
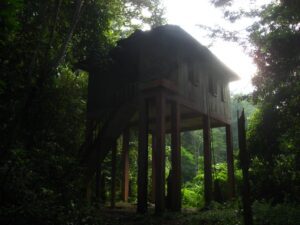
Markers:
{"x": 125, "y": 214}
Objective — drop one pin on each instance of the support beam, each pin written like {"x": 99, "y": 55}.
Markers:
{"x": 98, "y": 184}
{"x": 89, "y": 192}
{"x": 98, "y": 180}
{"x": 245, "y": 162}
{"x": 175, "y": 158}
{"x": 125, "y": 160}
{"x": 153, "y": 168}
{"x": 103, "y": 188}
{"x": 159, "y": 154}
{"x": 230, "y": 162}
{"x": 207, "y": 161}
{"x": 142, "y": 158}
{"x": 113, "y": 175}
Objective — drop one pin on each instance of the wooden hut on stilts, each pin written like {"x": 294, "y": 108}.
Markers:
{"x": 162, "y": 81}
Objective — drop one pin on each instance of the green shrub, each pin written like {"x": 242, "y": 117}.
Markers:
{"x": 191, "y": 198}
{"x": 43, "y": 187}
{"x": 280, "y": 214}
{"x": 219, "y": 214}
{"x": 192, "y": 192}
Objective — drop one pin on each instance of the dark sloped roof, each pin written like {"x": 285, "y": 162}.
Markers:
{"x": 179, "y": 38}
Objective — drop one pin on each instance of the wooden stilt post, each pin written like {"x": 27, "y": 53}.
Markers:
{"x": 153, "y": 167}
{"x": 89, "y": 192}
{"x": 89, "y": 132}
{"x": 113, "y": 176}
{"x": 125, "y": 159}
{"x": 244, "y": 158}
{"x": 88, "y": 140}
{"x": 143, "y": 158}
{"x": 160, "y": 154}
{"x": 230, "y": 162}
{"x": 98, "y": 184}
{"x": 103, "y": 188}
{"x": 207, "y": 161}
{"x": 175, "y": 158}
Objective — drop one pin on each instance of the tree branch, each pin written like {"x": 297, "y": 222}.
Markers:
{"x": 63, "y": 49}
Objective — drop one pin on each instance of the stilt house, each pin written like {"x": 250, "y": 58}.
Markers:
{"x": 161, "y": 81}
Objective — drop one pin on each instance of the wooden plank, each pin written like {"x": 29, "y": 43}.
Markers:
{"x": 160, "y": 154}
{"x": 143, "y": 158}
{"x": 175, "y": 158}
{"x": 189, "y": 121}
{"x": 230, "y": 162}
{"x": 207, "y": 161}
{"x": 162, "y": 83}
{"x": 125, "y": 160}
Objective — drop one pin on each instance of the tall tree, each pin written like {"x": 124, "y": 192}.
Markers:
{"x": 274, "y": 134}
{"x": 43, "y": 100}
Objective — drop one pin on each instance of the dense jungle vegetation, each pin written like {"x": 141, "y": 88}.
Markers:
{"x": 43, "y": 92}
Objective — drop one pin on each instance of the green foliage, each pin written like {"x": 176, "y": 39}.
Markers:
{"x": 43, "y": 93}
{"x": 264, "y": 214}
{"x": 221, "y": 214}
{"x": 8, "y": 17}
{"x": 192, "y": 192}
{"x": 42, "y": 184}
{"x": 193, "y": 141}
{"x": 273, "y": 130}
{"x": 274, "y": 157}
{"x": 273, "y": 134}
{"x": 238, "y": 103}
{"x": 187, "y": 165}
{"x": 192, "y": 197}
{"x": 267, "y": 214}
{"x": 28, "y": 196}
{"x": 280, "y": 175}
{"x": 133, "y": 168}
{"x": 218, "y": 145}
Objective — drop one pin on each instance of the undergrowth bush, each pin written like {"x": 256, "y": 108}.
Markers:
{"x": 279, "y": 214}
{"x": 43, "y": 187}
{"x": 192, "y": 192}
{"x": 219, "y": 214}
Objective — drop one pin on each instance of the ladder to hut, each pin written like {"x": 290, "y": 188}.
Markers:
{"x": 102, "y": 135}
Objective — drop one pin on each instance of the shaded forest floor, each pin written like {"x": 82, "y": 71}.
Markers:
{"x": 125, "y": 214}
{"x": 217, "y": 214}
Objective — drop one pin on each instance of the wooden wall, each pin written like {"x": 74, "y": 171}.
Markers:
{"x": 192, "y": 77}
{"x": 159, "y": 59}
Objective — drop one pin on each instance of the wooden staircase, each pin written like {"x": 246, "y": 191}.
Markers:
{"x": 94, "y": 151}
